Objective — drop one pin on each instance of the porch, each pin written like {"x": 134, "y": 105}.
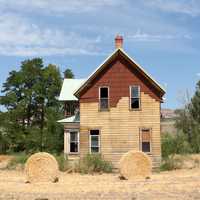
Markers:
{"x": 71, "y": 137}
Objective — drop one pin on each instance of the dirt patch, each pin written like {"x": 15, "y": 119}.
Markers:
{"x": 174, "y": 185}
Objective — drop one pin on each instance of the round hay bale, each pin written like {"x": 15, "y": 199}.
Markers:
{"x": 135, "y": 164}
{"x": 41, "y": 167}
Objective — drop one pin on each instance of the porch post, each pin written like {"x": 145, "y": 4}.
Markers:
{"x": 66, "y": 142}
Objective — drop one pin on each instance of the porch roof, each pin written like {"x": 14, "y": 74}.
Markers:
{"x": 72, "y": 119}
{"x": 68, "y": 88}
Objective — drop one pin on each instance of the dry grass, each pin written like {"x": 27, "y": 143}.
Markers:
{"x": 189, "y": 161}
{"x": 5, "y": 158}
{"x": 174, "y": 185}
{"x": 4, "y": 161}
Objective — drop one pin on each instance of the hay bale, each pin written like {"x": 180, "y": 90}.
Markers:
{"x": 41, "y": 167}
{"x": 135, "y": 164}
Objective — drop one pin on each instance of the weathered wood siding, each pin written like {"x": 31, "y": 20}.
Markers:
{"x": 119, "y": 127}
{"x": 118, "y": 76}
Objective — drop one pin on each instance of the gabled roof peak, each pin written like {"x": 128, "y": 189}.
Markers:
{"x": 110, "y": 58}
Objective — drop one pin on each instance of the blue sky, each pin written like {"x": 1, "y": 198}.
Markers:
{"x": 162, "y": 36}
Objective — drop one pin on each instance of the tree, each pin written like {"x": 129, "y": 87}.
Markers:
{"x": 32, "y": 106}
{"x": 184, "y": 122}
{"x": 47, "y": 104}
{"x": 19, "y": 101}
{"x": 195, "y": 104}
{"x": 68, "y": 73}
{"x": 188, "y": 120}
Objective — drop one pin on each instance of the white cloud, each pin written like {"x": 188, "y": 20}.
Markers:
{"x": 58, "y": 6}
{"x": 19, "y": 37}
{"x": 198, "y": 74}
{"x": 188, "y": 7}
{"x": 147, "y": 37}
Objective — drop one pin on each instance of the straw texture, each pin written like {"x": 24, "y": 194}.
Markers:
{"x": 135, "y": 164}
{"x": 41, "y": 167}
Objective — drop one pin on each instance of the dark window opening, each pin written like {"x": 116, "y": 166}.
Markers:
{"x": 146, "y": 147}
{"x": 135, "y": 103}
{"x": 104, "y": 98}
{"x": 135, "y": 97}
{"x": 94, "y": 132}
{"x": 104, "y": 92}
{"x": 70, "y": 108}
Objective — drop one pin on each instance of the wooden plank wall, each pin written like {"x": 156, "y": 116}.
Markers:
{"x": 119, "y": 127}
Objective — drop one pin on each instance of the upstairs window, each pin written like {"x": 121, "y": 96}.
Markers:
{"x": 94, "y": 141}
{"x": 135, "y": 97}
{"x": 145, "y": 140}
{"x": 104, "y": 98}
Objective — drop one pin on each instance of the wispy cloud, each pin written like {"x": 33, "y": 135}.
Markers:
{"x": 198, "y": 74}
{"x": 188, "y": 7}
{"x": 58, "y": 6}
{"x": 147, "y": 37}
{"x": 22, "y": 35}
{"x": 19, "y": 37}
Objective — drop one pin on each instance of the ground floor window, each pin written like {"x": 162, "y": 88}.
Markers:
{"x": 94, "y": 141}
{"x": 73, "y": 142}
{"x": 145, "y": 140}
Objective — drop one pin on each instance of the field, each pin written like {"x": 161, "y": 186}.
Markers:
{"x": 179, "y": 184}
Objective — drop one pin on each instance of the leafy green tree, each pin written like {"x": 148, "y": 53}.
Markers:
{"x": 47, "y": 91}
{"x": 32, "y": 107}
{"x": 188, "y": 120}
{"x": 68, "y": 73}
{"x": 195, "y": 104}
{"x": 184, "y": 122}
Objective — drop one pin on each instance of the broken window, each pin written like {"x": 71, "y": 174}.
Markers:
{"x": 135, "y": 97}
{"x": 104, "y": 98}
{"x": 145, "y": 140}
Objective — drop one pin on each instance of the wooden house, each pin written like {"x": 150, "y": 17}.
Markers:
{"x": 114, "y": 110}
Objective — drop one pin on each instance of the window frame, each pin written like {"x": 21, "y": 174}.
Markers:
{"x": 90, "y": 141}
{"x": 104, "y": 109}
{"x": 140, "y": 139}
{"x": 130, "y": 97}
{"x": 69, "y": 142}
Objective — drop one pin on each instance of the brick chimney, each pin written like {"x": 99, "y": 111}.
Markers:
{"x": 118, "y": 41}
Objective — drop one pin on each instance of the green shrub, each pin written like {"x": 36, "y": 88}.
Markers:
{"x": 167, "y": 165}
{"x": 174, "y": 144}
{"x": 94, "y": 163}
{"x": 171, "y": 163}
{"x": 18, "y": 160}
{"x": 62, "y": 162}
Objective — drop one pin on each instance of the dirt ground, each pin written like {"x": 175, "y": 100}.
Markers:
{"x": 179, "y": 185}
